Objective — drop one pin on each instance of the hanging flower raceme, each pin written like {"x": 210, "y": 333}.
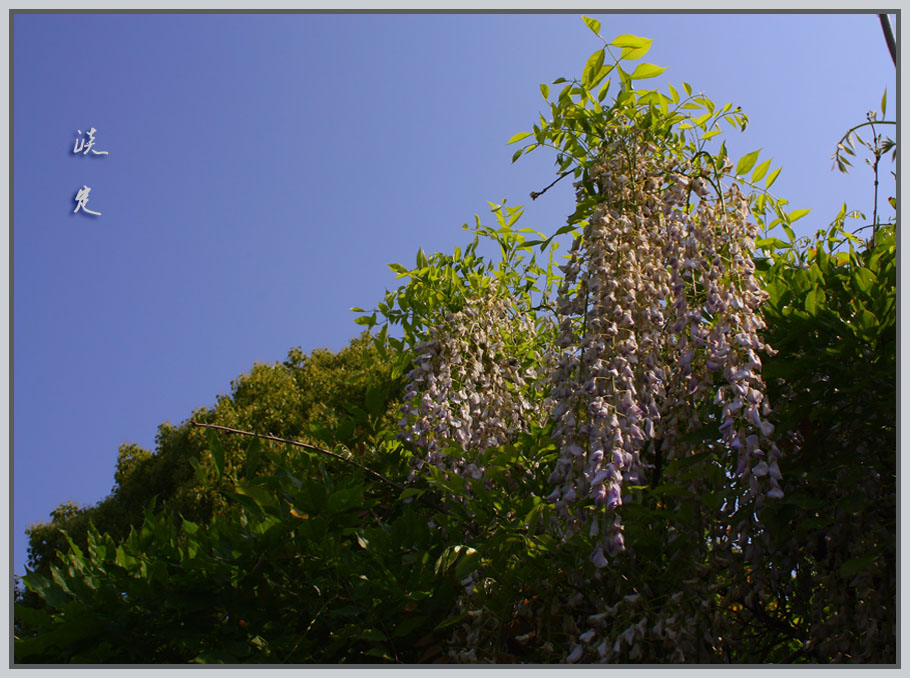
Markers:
{"x": 659, "y": 315}
{"x": 467, "y": 391}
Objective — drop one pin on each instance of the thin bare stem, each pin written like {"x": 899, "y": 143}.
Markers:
{"x": 536, "y": 194}
{"x": 878, "y": 155}
{"x": 313, "y": 448}
{"x": 305, "y": 446}
{"x": 889, "y": 36}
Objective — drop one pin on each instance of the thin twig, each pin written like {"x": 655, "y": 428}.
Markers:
{"x": 535, "y": 194}
{"x": 426, "y": 500}
{"x": 862, "y": 228}
{"x": 878, "y": 156}
{"x": 305, "y": 446}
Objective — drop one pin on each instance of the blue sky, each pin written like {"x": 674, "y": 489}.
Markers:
{"x": 263, "y": 170}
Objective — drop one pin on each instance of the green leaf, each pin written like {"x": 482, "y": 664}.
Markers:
{"x": 124, "y": 560}
{"x": 884, "y": 101}
{"x": 263, "y": 498}
{"x": 601, "y": 95}
{"x": 592, "y": 69}
{"x": 856, "y": 565}
{"x": 770, "y": 243}
{"x": 701, "y": 120}
{"x": 217, "y": 451}
{"x": 864, "y": 279}
{"x": 47, "y": 590}
{"x": 624, "y": 95}
{"x": 345, "y": 499}
{"x": 674, "y": 95}
{"x": 200, "y": 472}
{"x": 465, "y": 557}
{"x": 772, "y": 177}
{"x": 868, "y": 323}
{"x": 252, "y": 458}
{"x": 545, "y": 90}
{"x": 519, "y": 136}
{"x": 451, "y": 621}
{"x": 633, "y": 53}
{"x": 688, "y": 88}
{"x": 375, "y": 400}
{"x": 746, "y": 162}
{"x": 797, "y": 214}
{"x": 627, "y": 40}
{"x": 410, "y": 492}
{"x": 706, "y": 102}
{"x": 593, "y": 24}
{"x": 761, "y": 170}
{"x": 646, "y": 71}
{"x": 815, "y": 300}
{"x": 157, "y": 572}
{"x": 380, "y": 652}
{"x": 467, "y": 563}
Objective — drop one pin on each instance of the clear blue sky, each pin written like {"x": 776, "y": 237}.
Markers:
{"x": 264, "y": 169}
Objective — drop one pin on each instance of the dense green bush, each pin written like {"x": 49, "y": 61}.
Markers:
{"x": 301, "y": 398}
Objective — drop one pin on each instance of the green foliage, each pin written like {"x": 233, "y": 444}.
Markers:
{"x": 832, "y": 317}
{"x": 303, "y": 566}
{"x": 307, "y": 397}
{"x": 441, "y": 283}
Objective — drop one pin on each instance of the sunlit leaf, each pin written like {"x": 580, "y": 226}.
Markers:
{"x": 864, "y": 278}
{"x": 592, "y": 68}
{"x": 772, "y": 177}
{"x": 647, "y": 71}
{"x": 633, "y": 53}
{"x": 761, "y": 170}
{"x": 746, "y": 162}
{"x": 627, "y": 40}
{"x": 593, "y": 24}
{"x": 519, "y": 136}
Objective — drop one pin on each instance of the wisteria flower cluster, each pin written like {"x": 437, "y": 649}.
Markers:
{"x": 658, "y": 309}
{"x": 467, "y": 390}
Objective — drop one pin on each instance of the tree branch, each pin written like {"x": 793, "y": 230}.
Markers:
{"x": 889, "y": 36}
{"x": 305, "y": 446}
{"x": 426, "y": 500}
{"x": 535, "y": 194}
